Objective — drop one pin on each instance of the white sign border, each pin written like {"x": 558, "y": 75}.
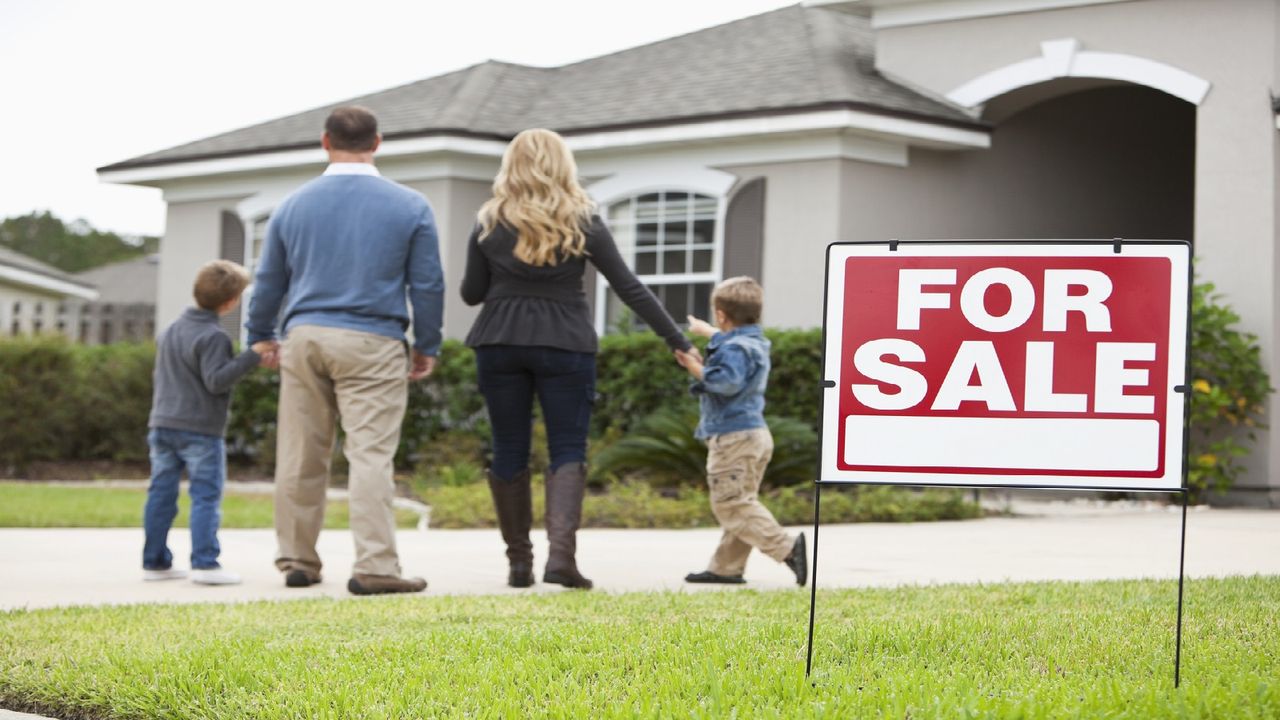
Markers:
{"x": 1177, "y": 252}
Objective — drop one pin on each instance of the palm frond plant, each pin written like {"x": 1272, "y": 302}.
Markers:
{"x": 662, "y": 449}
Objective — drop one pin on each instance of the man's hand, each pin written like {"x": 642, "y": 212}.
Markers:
{"x": 691, "y": 362}
{"x": 422, "y": 366}
{"x": 269, "y": 352}
{"x": 700, "y": 327}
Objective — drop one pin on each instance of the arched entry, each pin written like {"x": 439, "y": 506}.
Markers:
{"x": 1065, "y": 59}
{"x": 1083, "y": 158}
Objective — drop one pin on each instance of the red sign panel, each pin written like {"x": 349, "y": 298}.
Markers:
{"x": 986, "y": 364}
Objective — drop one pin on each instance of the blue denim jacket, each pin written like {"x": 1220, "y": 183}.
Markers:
{"x": 734, "y": 377}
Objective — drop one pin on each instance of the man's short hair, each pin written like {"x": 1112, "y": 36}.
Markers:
{"x": 219, "y": 282}
{"x": 352, "y": 128}
{"x": 740, "y": 298}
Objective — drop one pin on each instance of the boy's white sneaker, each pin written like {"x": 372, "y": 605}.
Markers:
{"x": 214, "y": 576}
{"x": 170, "y": 574}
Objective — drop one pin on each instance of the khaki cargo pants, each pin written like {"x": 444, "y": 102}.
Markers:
{"x": 735, "y": 467}
{"x": 362, "y": 379}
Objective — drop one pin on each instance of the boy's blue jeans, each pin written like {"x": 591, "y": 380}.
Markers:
{"x": 205, "y": 459}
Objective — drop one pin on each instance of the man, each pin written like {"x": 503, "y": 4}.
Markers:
{"x": 340, "y": 254}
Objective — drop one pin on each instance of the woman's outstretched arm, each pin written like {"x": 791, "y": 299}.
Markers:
{"x": 605, "y": 256}
{"x": 475, "y": 281}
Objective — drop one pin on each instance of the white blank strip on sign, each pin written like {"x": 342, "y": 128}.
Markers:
{"x": 1009, "y": 443}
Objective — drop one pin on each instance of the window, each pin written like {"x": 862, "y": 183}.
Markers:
{"x": 670, "y": 240}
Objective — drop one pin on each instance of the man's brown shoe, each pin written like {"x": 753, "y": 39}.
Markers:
{"x": 383, "y": 584}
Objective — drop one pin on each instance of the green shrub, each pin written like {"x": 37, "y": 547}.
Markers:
{"x": 1229, "y": 393}
{"x": 626, "y": 504}
{"x": 37, "y": 383}
{"x": 112, "y": 401}
{"x": 870, "y": 503}
{"x": 60, "y": 401}
{"x": 621, "y": 505}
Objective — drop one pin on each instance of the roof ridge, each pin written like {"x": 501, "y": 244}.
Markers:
{"x": 476, "y": 86}
{"x": 24, "y": 261}
{"x": 820, "y": 72}
{"x": 734, "y": 21}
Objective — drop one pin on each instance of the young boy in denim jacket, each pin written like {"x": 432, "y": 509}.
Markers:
{"x": 730, "y": 389}
{"x": 195, "y": 371}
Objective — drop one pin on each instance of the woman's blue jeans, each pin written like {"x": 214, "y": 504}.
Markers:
{"x": 205, "y": 459}
{"x": 564, "y": 383}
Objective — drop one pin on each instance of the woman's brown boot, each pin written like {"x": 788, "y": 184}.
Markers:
{"x": 566, "y": 488}
{"x": 512, "y": 500}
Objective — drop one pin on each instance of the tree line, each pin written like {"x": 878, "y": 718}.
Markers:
{"x": 71, "y": 247}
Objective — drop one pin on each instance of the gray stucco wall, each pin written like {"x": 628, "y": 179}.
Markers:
{"x": 801, "y": 217}
{"x": 455, "y": 203}
{"x": 192, "y": 237}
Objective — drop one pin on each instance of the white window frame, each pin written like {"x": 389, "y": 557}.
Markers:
{"x": 658, "y": 179}
{"x": 251, "y": 211}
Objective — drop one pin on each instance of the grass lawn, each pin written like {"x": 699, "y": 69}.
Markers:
{"x": 38, "y": 505}
{"x": 1055, "y": 650}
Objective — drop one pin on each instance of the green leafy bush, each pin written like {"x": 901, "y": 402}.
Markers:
{"x": 37, "y": 381}
{"x": 626, "y": 504}
{"x": 60, "y": 401}
{"x": 1229, "y": 390}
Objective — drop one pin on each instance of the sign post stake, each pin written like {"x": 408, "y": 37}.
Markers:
{"x": 813, "y": 576}
{"x": 1182, "y": 559}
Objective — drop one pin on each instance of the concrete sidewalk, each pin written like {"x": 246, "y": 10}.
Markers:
{"x": 44, "y": 568}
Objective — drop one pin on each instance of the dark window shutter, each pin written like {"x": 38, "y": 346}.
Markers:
{"x": 232, "y": 248}
{"x": 744, "y": 231}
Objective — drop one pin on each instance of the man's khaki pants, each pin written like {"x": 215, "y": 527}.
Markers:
{"x": 735, "y": 467}
{"x": 362, "y": 378}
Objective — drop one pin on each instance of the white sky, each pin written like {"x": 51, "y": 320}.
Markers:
{"x": 86, "y": 83}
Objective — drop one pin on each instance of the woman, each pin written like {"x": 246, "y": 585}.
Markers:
{"x": 534, "y": 336}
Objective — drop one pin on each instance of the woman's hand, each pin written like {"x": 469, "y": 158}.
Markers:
{"x": 691, "y": 361}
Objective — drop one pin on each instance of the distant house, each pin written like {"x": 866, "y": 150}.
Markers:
{"x": 39, "y": 298}
{"x": 126, "y": 306}
{"x": 748, "y": 147}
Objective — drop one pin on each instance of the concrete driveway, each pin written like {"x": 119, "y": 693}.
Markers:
{"x": 1048, "y": 541}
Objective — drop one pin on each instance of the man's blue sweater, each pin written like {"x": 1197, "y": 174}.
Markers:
{"x": 343, "y": 251}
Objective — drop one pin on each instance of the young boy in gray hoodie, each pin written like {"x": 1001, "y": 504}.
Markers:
{"x": 195, "y": 370}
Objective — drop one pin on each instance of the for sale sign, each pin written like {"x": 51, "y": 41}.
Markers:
{"x": 996, "y": 364}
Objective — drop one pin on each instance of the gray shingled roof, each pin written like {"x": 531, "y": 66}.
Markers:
{"x": 15, "y": 259}
{"x": 793, "y": 59}
{"x": 128, "y": 282}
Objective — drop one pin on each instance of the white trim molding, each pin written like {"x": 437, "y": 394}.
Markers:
{"x": 44, "y": 282}
{"x": 903, "y": 13}
{"x": 659, "y": 177}
{"x": 1063, "y": 58}
{"x": 153, "y": 174}
{"x": 880, "y": 134}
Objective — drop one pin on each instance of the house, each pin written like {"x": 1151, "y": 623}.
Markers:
{"x": 39, "y": 298}
{"x": 748, "y": 147}
{"x": 126, "y": 306}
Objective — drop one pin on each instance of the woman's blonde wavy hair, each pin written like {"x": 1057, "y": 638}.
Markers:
{"x": 537, "y": 195}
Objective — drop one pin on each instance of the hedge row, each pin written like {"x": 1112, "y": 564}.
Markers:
{"x": 60, "y": 401}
